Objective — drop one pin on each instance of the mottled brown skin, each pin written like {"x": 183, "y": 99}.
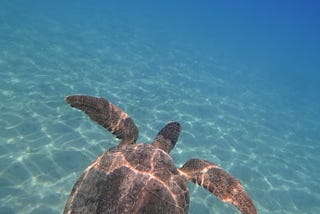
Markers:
{"x": 142, "y": 178}
{"x": 107, "y": 115}
{"x": 219, "y": 182}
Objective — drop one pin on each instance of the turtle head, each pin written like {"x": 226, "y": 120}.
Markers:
{"x": 167, "y": 137}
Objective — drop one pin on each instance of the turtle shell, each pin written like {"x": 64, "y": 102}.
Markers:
{"x": 135, "y": 178}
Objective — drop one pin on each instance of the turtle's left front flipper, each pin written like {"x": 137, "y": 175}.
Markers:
{"x": 220, "y": 183}
{"x": 107, "y": 115}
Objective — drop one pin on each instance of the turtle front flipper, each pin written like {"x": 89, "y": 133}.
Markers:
{"x": 107, "y": 115}
{"x": 167, "y": 137}
{"x": 220, "y": 183}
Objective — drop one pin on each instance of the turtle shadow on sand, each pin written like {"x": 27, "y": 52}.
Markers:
{"x": 142, "y": 178}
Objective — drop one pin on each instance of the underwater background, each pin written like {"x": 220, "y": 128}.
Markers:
{"x": 242, "y": 78}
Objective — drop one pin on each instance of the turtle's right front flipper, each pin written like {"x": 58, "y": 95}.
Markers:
{"x": 107, "y": 115}
{"x": 220, "y": 183}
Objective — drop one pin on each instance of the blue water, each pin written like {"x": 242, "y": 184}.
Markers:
{"x": 241, "y": 77}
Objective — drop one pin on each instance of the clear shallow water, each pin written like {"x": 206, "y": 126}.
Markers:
{"x": 260, "y": 125}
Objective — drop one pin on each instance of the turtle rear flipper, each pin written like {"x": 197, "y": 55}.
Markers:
{"x": 167, "y": 137}
{"x": 220, "y": 183}
{"x": 107, "y": 115}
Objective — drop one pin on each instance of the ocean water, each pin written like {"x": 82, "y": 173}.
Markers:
{"x": 241, "y": 78}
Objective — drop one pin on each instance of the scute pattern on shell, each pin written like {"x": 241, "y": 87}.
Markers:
{"x": 141, "y": 179}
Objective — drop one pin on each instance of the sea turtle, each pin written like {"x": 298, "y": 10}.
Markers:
{"x": 142, "y": 178}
